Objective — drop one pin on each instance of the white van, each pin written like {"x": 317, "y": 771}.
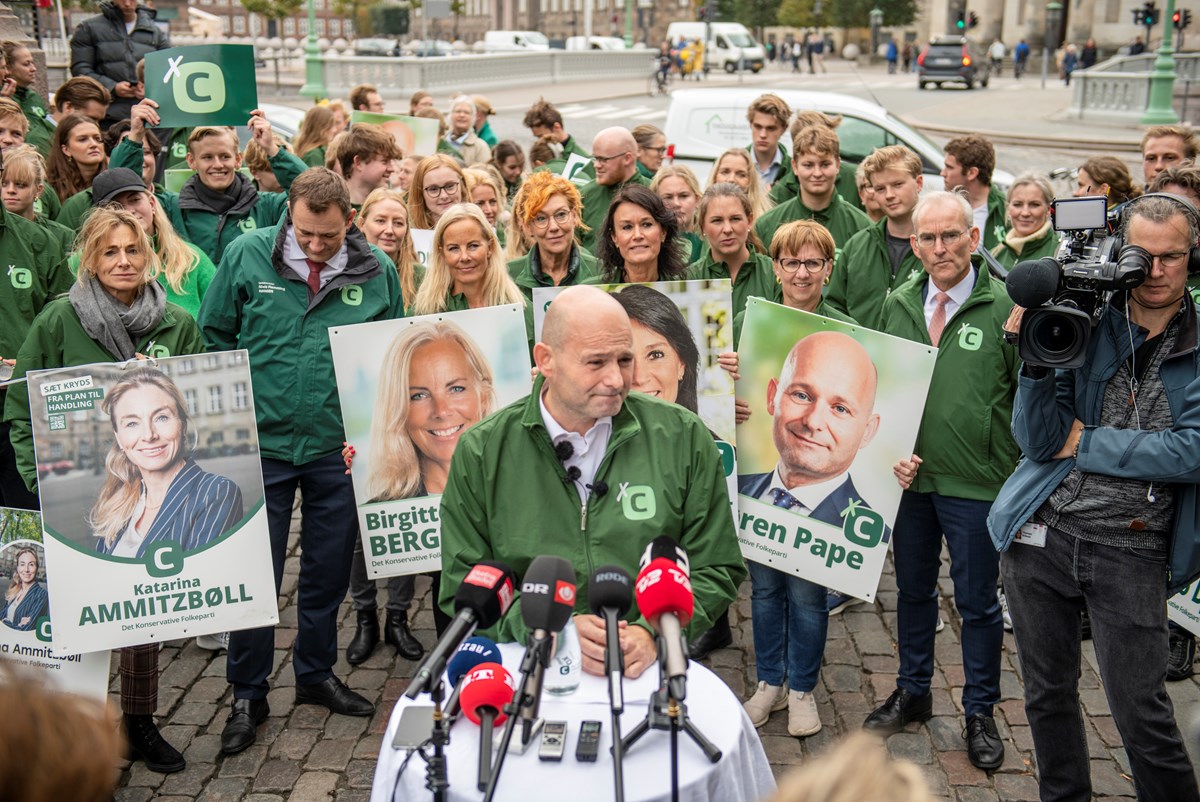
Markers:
{"x": 514, "y": 41}
{"x": 727, "y": 42}
{"x": 595, "y": 43}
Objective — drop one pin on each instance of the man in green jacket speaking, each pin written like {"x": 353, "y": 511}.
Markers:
{"x": 581, "y": 448}
{"x": 278, "y": 292}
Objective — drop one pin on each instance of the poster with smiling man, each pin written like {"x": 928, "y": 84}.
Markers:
{"x": 832, "y": 408}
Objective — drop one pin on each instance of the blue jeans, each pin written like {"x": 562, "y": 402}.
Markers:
{"x": 790, "y": 621}
{"x": 1125, "y": 594}
{"x": 328, "y": 529}
{"x": 921, "y": 522}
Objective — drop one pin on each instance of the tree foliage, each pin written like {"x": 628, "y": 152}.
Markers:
{"x": 273, "y": 9}
{"x": 844, "y": 13}
{"x": 19, "y": 525}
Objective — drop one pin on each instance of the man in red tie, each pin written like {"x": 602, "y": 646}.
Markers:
{"x": 278, "y": 292}
{"x": 966, "y": 451}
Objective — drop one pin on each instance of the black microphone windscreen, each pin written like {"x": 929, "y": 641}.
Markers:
{"x": 599, "y": 488}
{"x": 1034, "y": 282}
{"x": 610, "y": 586}
{"x": 548, "y": 593}
{"x": 487, "y": 591}
{"x": 666, "y": 547}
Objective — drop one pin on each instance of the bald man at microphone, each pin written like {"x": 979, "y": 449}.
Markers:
{"x": 584, "y": 470}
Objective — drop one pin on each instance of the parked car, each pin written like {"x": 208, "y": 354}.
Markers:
{"x": 376, "y": 47}
{"x": 703, "y": 123}
{"x": 514, "y": 41}
{"x": 953, "y": 59}
{"x": 427, "y": 48}
{"x": 285, "y": 122}
{"x": 595, "y": 43}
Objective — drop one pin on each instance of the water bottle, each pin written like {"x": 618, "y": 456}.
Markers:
{"x": 566, "y": 667}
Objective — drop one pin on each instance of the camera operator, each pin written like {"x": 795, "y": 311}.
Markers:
{"x": 1112, "y": 458}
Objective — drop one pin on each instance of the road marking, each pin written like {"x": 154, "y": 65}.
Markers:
{"x": 571, "y": 109}
{"x": 596, "y": 111}
{"x": 629, "y": 112}
{"x": 650, "y": 115}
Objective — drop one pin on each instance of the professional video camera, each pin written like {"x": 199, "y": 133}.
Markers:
{"x": 1065, "y": 295}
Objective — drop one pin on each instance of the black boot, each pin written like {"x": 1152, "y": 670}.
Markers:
{"x": 147, "y": 745}
{"x": 397, "y": 633}
{"x": 366, "y": 637}
{"x": 718, "y": 637}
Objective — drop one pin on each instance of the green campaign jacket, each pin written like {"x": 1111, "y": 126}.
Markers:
{"x": 1045, "y": 245}
{"x": 48, "y": 204}
{"x": 842, "y": 219}
{"x": 63, "y": 236}
{"x": 788, "y": 186}
{"x": 204, "y": 228}
{"x": 508, "y": 498}
{"x": 529, "y": 276}
{"x": 57, "y": 340}
{"x": 258, "y": 303}
{"x": 596, "y": 200}
{"x": 33, "y": 271}
{"x": 755, "y": 277}
{"x": 995, "y": 229}
{"x": 965, "y": 438}
{"x": 315, "y": 157}
{"x": 41, "y": 131}
{"x": 862, "y": 275}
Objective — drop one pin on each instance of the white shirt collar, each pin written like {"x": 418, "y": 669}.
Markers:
{"x": 810, "y": 496}
{"x": 294, "y": 257}
{"x": 959, "y": 294}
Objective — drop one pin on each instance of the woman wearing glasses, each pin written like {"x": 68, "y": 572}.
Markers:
{"x": 547, "y": 210}
{"x": 651, "y": 147}
{"x": 437, "y": 184}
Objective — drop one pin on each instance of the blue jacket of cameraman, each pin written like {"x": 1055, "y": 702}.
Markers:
{"x": 1046, "y": 407}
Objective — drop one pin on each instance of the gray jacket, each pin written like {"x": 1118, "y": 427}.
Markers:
{"x": 101, "y": 49}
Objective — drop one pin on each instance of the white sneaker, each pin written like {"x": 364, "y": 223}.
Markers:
{"x": 802, "y": 714}
{"x": 214, "y": 643}
{"x": 941, "y": 624}
{"x": 1005, "y": 615}
{"x": 765, "y": 701}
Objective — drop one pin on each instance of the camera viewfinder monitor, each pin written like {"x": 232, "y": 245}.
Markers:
{"x": 1080, "y": 214}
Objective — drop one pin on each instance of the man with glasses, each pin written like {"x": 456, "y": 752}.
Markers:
{"x": 879, "y": 259}
{"x": 964, "y": 452}
{"x": 614, "y": 155}
{"x": 1105, "y": 502}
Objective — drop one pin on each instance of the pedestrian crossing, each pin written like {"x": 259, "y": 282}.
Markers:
{"x": 602, "y": 111}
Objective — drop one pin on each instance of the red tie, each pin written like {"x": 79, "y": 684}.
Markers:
{"x": 314, "y": 279}
{"x": 937, "y": 321}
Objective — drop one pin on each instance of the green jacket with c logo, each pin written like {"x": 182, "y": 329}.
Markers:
{"x": 33, "y": 271}
{"x": 258, "y": 303}
{"x": 508, "y": 498}
{"x": 842, "y": 219}
{"x": 862, "y": 276}
{"x": 57, "y": 340}
{"x": 966, "y": 437}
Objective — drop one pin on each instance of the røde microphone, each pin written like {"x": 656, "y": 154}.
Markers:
{"x": 484, "y": 596}
{"x": 485, "y": 691}
{"x": 664, "y": 546}
{"x": 610, "y": 595}
{"x": 547, "y": 601}
{"x": 664, "y": 596}
{"x": 1033, "y": 282}
{"x": 472, "y": 652}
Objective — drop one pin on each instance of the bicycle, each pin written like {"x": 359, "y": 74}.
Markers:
{"x": 659, "y": 80}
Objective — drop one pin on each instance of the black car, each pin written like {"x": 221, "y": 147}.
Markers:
{"x": 952, "y": 60}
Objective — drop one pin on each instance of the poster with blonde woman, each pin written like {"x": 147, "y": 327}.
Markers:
{"x": 25, "y": 631}
{"x": 152, "y": 500}
{"x": 410, "y": 388}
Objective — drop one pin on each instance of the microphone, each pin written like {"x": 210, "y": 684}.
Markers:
{"x": 473, "y": 652}
{"x": 1032, "y": 283}
{"x": 665, "y": 546}
{"x": 664, "y": 596}
{"x": 481, "y": 600}
{"x": 599, "y": 488}
{"x": 485, "y": 691}
{"x": 610, "y": 595}
{"x": 547, "y": 601}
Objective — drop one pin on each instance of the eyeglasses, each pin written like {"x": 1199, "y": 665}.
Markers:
{"x": 602, "y": 160}
{"x": 541, "y": 222}
{"x": 948, "y": 238}
{"x": 444, "y": 189}
{"x": 810, "y": 265}
{"x": 659, "y": 151}
{"x": 1172, "y": 259}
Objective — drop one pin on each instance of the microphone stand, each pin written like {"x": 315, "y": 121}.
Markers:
{"x": 534, "y": 655}
{"x": 437, "y": 777}
{"x": 667, "y": 711}
{"x": 614, "y": 668}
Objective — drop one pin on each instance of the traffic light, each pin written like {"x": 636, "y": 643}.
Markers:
{"x": 1182, "y": 19}
{"x": 1187, "y": 17}
{"x": 960, "y": 21}
{"x": 972, "y": 20}
{"x": 1150, "y": 15}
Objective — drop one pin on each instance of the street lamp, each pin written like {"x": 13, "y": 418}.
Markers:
{"x": 314, "y": 77}
{"x": 628, "y": 24}
{"x": 1160, "y": 109}
{"x": 876, "y": 17}
{"x": 1050, "y": 41}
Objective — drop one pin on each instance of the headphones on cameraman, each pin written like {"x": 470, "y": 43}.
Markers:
{"x": 1193, "y": 262}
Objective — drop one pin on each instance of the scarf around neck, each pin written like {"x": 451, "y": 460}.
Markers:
{"x": 109, "y": 322}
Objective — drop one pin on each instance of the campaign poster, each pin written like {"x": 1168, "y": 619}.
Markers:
{"x": 415, "y": 136}
{"x": 679, "y": 330}
{"x": 25, "y": 629}
{"x": 1184, "y": 608}
{"x": 832, "y": 408}
{"x": 202, "y": 85}
{"x": 422, "y": 239}
{"x": 409, "y": 389}
{"x": 152, "y": 497}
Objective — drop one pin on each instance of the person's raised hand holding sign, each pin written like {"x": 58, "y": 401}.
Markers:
{"x": 143, "y": 115}
{"x": 260, "y": 129}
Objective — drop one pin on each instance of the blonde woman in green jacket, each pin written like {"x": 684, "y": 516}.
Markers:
{"x": 1030, "y": 232}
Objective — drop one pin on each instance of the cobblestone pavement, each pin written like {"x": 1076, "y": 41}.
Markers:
{"x": 305, "y": 753}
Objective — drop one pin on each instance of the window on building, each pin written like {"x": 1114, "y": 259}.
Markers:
{"x": 241, "y": 396}
{"x": 335, "y": 27}
{"x": 214, "y": 398}
{"x": 212, "y": 362}
{"x": 189, "y": 400}
{"x": 289, "y": 27}
{"x": 187, "y": 366}
{"x": 239, "y": 24}
{"x": 321, "y": 27}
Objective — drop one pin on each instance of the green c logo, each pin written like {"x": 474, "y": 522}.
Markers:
{"x": 41, "y": 628}
{"x": 164, "y": 559}
{"x": 247, "y": 225}
{"x": 861, "y": 525}
{"x": 179, "y": 150}
{"x": 970, "y": 338}
{"x": 638, "y": 502}
{"x": 20, "y": 277}
{"x": 352, "y": 295}
{"x": 199, "y": 87}
{"x": 726, "y": 452}
{"x": 158, "y": 352}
